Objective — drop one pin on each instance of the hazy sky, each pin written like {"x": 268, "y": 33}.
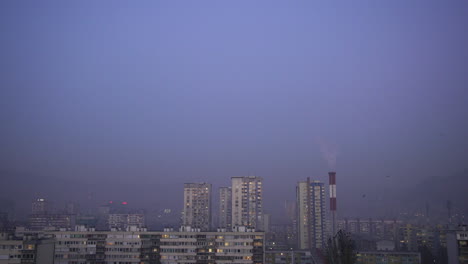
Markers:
{"x": 166, "y": 92}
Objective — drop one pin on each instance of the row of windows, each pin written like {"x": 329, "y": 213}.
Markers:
{"x": 123, "y": 249}
{"x": 165, "y": 236}
{"x": 179, "y": 243}
{"x": 124, "y": 243}
{"x": 119, "y": 243}
{"x": 122, "y": 256}
{"x": 175, "y": 262}
{"x": 210, "y": 250}
{"x": 177, "y": 250}
{"x": 227, "y": 237}
{"x": 76, "y": 242}
{"x": 206, "y": 257}
{"x": 73, "y": 249}
{"x": 226, "y": 244}
{"x": 224, "y": 250}
{"x": 28, "y": 256}
{"x": 82, "y": 256}
{"x": 72, "y": 262}
{"x": 17, "y": 256}
{"x": 11, "y": 247}
{"x": 123, "y": 236}
{"x": 70, "y": 256}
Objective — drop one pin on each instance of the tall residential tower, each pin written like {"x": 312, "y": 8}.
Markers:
{"x": 225, "y": 207}
{"x": 40, "y": 206}
{"x": 197, "y": 206}
{"x": 332, "y": 181}
{"x": 247, "y": 203}
{"x": 311, "y": 214}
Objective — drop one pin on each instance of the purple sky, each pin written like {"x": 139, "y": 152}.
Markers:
{"x": 166, "y": 92}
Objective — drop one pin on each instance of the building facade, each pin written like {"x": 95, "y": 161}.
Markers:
{"x": 225, "y": 207}
{"x": 197, "y": 206}
{"x": 43, "y": 221}
{"x": 457, "y": 245}
{"x": 380, "y": 229}
{"x": 122, "y": 221}
{"x": 25, "y": 249}
{"x": 247, "y": 202}
{"x": 170, "y": 247}
{"x": 311, "y": 219}
{"x": 390, "y": 257}
{"x": 40, "y": 206}
{"x": 289, "y": 257}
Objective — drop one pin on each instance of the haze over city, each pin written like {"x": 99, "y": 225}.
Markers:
{"x": 128, "y": 101}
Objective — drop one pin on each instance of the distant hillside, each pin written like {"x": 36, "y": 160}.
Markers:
{"x": 390, "y": 202}
{"x": 436, "y": 191}
{"x": 454, "y": 187}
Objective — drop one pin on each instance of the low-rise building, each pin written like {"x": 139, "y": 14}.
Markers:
{"x": 289, "y": 257}
{"x": 388, "y": 257}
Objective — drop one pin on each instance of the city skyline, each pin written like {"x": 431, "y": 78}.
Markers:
{"x": 91, "y": 200}
{"x": 309, "y": 122}
{"x": 417, "y": 238}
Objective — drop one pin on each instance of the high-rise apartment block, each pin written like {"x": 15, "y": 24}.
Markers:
{"x": 225, "y": 207}
{"x": 332, "y": 185}
{"x": 40, "y": 206}
{"x": 311, "y": 214}
{"x": 44, "y": 221}
{"x": 247, "y": 203}
{"x": 197, "y": 206}
{"x": 122, "y": 221}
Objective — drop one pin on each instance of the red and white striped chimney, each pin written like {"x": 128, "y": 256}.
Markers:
{"x": 332, "y": 183}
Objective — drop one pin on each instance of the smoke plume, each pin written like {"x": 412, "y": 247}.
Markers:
{"x": 329, "y": 152}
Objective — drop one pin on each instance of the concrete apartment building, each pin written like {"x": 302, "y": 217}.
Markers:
{"x": 43, "y": 221}
{"x": 11, "y": 251}
{"x": 225, "y": 207}
{"x": 25, "y": 249}
{"x": 197, "y": 206}
{"x": 247, "y": 202}
{"x": 289, "y": 257}
{"x": 457, "y": 245}
{"x": 40, "y": 206}
{"x": 136, "y": 245}
{"x": 42, "y": 216}
{"x": 311, "y": 219}
{"x": 388, "y": 257}
{"x": 122, "y": 221}
{"x": 380, "y": 229}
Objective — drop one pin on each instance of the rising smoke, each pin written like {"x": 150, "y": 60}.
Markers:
{"x": 329, "y": 152}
